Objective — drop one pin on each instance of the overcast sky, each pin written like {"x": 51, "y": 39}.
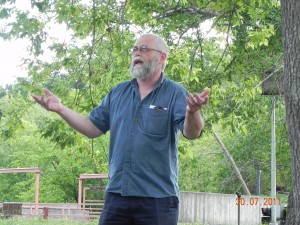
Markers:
{"x": 12, "y": 52}
{"x": 10, "y": 59}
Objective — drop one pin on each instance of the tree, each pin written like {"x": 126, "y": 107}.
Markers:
{"x": 291, "y": 42}
{"x": 96, "y": 55}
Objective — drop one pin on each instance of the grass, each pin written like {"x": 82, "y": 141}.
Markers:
{"x": 55, "y": 222}
{"x": 45, "y": 222}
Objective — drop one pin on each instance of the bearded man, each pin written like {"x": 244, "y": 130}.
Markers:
{"x": 144, "y": 117}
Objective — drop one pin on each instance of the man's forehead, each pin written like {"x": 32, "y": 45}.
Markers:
{"x": 144, "y": 40}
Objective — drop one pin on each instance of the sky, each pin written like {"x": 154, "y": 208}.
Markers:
{"x": 11, "y": 54}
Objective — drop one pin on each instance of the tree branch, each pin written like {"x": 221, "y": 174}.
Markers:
{"x": 188, "y": 11}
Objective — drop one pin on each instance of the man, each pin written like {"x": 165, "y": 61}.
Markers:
{"x": 143, "y": 116}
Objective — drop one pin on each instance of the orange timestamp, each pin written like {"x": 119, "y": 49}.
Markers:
{"x": 257, "y": 201}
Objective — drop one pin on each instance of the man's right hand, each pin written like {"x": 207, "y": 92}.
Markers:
{"x": 77, "y": 121}
{"x": 49, "y": 101}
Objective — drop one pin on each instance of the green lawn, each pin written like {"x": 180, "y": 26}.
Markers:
{"x": 54, "y": 222}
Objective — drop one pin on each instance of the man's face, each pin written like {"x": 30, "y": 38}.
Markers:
{"x": 145, "y": 59}
{"x": 143, "y": 68}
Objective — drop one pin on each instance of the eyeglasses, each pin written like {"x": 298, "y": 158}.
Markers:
{"x": 143, "y": 49}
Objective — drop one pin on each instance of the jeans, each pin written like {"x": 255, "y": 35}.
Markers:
{"x": 127, "y": 210}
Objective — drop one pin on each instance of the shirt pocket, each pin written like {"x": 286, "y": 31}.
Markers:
{"x": 155, "y": 120}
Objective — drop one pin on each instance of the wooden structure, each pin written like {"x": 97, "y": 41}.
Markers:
{"x": 37, "y": 180}
{"x": 11, "y": 208}
{"x": 272, "y": 83}
{"x": 83, "y": 177}
{"x": 65, "y": 211}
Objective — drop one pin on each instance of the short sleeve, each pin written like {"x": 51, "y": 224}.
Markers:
{"x": 180, "y": 108}
{"x": 100, "y": 115}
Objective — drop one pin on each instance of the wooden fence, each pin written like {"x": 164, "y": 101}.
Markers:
{"x": 220, "y": 209}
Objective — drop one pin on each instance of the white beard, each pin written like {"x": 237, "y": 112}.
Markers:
{"x": 144, "y": 71}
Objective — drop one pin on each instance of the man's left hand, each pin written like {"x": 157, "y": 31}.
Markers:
{"x": 197, "y": 101}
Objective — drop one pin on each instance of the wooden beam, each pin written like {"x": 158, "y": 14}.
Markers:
{"x": 21, "y": 170}
{"x": 93, "y": 176}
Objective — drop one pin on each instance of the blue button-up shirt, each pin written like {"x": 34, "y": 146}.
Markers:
{"x": 143, "y": 156}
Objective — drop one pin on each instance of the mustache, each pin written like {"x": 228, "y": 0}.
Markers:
{"x": 136, "y": 60}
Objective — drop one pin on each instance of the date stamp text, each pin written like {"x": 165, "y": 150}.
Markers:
{"x": 257, "y": 201}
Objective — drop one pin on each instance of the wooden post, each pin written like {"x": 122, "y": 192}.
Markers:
{"x": 37, "y": 185}
{"x": 83, "y": 200}
{"x": 45, "y": 213}
{"x": 79, "y": 192}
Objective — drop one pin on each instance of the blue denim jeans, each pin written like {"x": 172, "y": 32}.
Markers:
{"x": 139, "y": 210}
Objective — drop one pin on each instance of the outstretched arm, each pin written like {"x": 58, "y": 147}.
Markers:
{"x": 77, "y": 121}
{"x": 194, "y": 123}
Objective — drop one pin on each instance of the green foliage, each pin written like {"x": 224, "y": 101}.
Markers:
{"x": 200, "y": 168}
{"x": 60, "y": 167}
{"x": 255, "y": 145}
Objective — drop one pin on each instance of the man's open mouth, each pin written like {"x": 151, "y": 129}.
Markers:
{"x": 138, "y": 62}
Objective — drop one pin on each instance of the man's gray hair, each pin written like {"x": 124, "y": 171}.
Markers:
{"x": 160, "y": 44}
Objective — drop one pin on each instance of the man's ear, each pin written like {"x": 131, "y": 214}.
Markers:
{"x": 163, "y": 57}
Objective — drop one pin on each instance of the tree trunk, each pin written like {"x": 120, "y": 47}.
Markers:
{"x": 290, "y": 10}
{"x": 235, "y": 168}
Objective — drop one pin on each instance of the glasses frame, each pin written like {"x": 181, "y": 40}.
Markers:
{"x": 143, "y": 49}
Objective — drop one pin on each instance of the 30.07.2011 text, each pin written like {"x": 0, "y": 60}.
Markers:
{"x": 257, "y": 201}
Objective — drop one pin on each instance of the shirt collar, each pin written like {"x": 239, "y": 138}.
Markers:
{"x": 158, "y": 83}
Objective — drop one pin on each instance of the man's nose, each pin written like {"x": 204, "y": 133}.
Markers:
{"x": 137, "y": 53}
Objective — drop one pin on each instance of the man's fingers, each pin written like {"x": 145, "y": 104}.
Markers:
{"x": 47, "y": 92}
{"x": 42, "y": 100}
{"x": 205, "y": 93}
{"x": 38, "y": 99}
{"x": 196, "y": 101}
{"x": 192, "y": 99}
{"x": 201, "y": 99}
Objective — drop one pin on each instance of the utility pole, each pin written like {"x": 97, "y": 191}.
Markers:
{"x": 272, "y": 86}
{"x": 273, "y": 164}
